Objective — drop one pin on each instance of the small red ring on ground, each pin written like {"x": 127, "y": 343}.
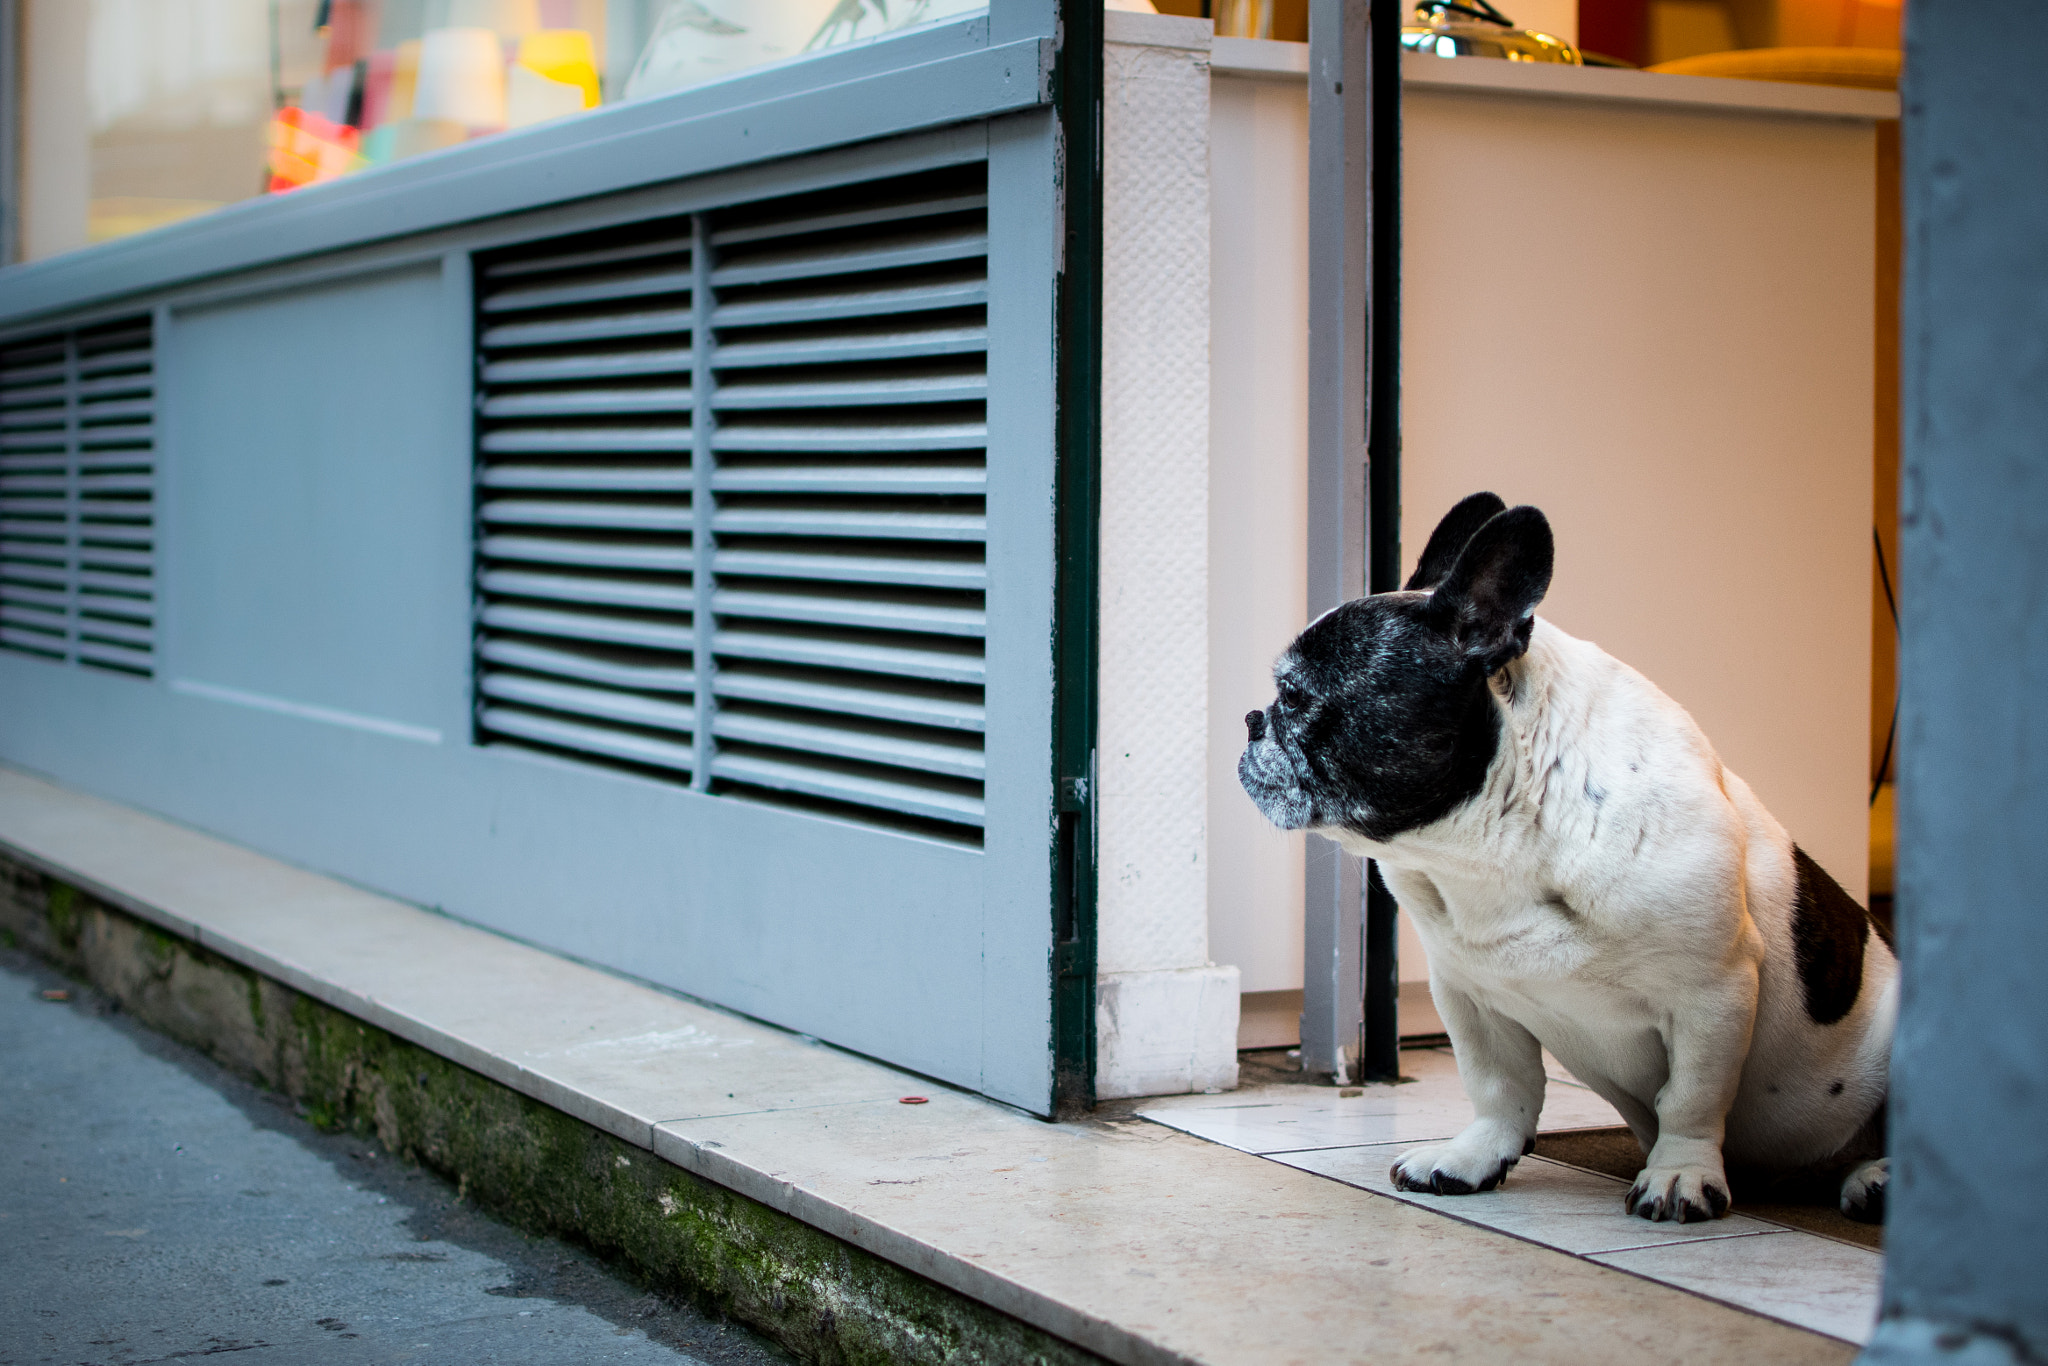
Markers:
{"x": 912, "y": 1100}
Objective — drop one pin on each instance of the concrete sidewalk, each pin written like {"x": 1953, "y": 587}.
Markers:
{"x": 155, "y": 1206}
{"x": 784, "y": 1180}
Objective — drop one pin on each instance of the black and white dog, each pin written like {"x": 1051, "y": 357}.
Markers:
{"x": 1587, "y": 877}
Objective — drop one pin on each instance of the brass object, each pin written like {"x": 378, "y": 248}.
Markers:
{"x": 1474, "y": 28}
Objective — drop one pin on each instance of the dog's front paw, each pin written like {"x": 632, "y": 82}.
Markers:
{"x": 1863, "y": 1191}
{"x": 1689, "y": 1195}
{"x": 1466, "y": 1165}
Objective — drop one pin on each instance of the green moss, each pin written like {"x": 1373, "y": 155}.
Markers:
{"x": 9, "y": 939}
{"x": 60, "y": 904}
{"x": 161, "y": 947}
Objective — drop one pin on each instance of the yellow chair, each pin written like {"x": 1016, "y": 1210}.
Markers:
{"x": 1867, "y": 68}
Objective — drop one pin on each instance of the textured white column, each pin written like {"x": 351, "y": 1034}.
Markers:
{"x": 1166, "y": 1018}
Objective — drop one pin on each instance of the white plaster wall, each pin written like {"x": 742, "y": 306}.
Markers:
{"x": 1166, "y": 1018}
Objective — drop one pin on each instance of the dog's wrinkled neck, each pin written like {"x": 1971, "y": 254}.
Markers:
{"x": 1521, "y": 689}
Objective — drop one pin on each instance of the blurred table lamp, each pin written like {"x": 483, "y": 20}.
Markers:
{"x": 461, "y": 78}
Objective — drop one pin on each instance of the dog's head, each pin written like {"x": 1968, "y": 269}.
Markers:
{"x": 1383, "y": 720}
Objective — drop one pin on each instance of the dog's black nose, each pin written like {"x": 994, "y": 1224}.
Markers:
{"x": 1255, "y": 725}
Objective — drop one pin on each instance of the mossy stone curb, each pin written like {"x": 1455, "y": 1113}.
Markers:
{"x": 543, "y": 1170}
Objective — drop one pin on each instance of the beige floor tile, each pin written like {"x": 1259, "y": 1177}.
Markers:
{"x": 1802, "y": 1278}
{"x": 1545, "y": 1202}
{"x": 1432, "y": 1105}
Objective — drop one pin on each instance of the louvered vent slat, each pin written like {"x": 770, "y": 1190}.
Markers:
{"x": 851, "y": 393}
{"x": 610, "y": 327}
{"x": 587, "y": 440}
{"x": 850, "y": 304}
{"x": 826, "y": 520}
{"x": 606, "y": 516}
{"x": 590, "y": 554}
{"x": 889, "y": 212}
{"x": 602, "y": 741}
{"x": 873, "y": 345}
{"x": 947, "y": 713}
{"x": 78, "y": 496}
{"x": 530, "y": 263}
{"x": 619, "y": 592}
{"x": 829, "y": 260}
{"x": 604, "y": 703}
{"x": 596, "y": 365}
{"x": 590, "y": 665}
{"x": 732, "y": 500}
{"x": 589, "y": 403}
{"x": 593, "y": 478}
{"x": 598, "y": 289}
{"x": 831, "y": 568}
{"x": 852, "y": 654}
{"x": 854, "y": 785}
{"x": 548, "y": 623}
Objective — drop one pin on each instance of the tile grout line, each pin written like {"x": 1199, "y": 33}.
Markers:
{"x": 1593, "y": 1254}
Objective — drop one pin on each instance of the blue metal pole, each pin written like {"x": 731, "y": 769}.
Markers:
{"x": 1966, "y": 1275}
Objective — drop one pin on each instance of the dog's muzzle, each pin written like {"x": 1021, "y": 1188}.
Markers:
{"x": 1269, "y": 779}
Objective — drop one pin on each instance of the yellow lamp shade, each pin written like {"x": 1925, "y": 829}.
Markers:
{"x": 563, "y": 54}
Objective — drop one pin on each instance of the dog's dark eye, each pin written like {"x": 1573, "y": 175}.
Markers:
{"x": 1292, "y": 697}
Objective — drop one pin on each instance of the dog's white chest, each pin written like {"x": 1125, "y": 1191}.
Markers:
{"x": 1506, "y": 935}
{"x": 1539, "y": 961}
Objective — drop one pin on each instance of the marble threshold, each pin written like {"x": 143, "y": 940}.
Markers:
{"x": 1354, "y": 1135}
{"x": 1138, "y": 1241}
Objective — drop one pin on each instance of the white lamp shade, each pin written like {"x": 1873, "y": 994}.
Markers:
{"x": 462, "y": 78}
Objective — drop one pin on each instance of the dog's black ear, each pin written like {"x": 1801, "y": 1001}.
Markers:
{"x": 1487, "y": 602}
{"x": 1450, "y": 536}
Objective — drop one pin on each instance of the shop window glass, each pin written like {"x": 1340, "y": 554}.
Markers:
{"x": 139, "y": 113}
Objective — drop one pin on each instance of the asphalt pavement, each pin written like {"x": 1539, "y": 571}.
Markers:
{"x": 155, "y": 1207}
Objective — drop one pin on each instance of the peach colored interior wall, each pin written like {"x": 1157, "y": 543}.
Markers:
{"x": 1655, "y": 324}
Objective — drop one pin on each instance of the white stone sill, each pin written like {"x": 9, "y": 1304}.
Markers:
{"x": 1257, "y": 58}
{"x": 1137, "y": 1242}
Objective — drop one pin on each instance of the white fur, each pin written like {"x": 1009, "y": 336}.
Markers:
{"x": 1617, "y": 896}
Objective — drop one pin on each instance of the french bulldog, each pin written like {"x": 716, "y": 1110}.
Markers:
{"x": 1587, "y": 878}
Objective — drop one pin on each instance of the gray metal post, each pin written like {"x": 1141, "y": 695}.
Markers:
{"x": 1340, "y": 168}
{"x": 1966, "y": 1276}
